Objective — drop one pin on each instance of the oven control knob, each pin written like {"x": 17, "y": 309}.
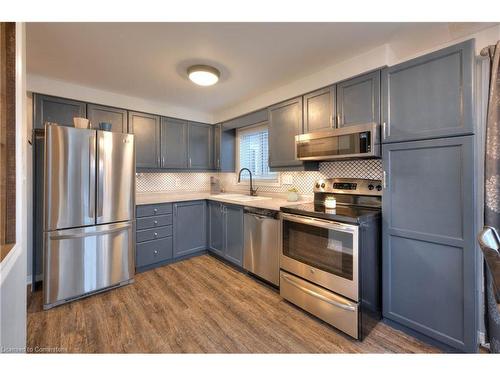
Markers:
{"x": 371, "y": 187}
{"x": 379, "y": 187}
{"x": 317, "y": 186}
{"x": 323, "y": 185}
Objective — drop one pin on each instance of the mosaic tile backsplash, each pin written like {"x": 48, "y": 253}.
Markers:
{"x": 303, "y": 181}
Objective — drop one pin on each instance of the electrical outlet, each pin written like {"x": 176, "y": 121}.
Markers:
{"x": 287, "y": 180}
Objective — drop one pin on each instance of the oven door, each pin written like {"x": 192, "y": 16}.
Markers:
{"x": 321, "y": 251}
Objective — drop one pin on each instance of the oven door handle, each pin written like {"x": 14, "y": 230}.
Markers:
{"x": 317, "y": 295}
{"x": 320, "y": 223}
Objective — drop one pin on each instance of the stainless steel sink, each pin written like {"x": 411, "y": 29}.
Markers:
{"x": 241, "y": 197}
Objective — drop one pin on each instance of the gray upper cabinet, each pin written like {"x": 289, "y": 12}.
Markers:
{"x": 224, "y": 148}
{"x": 99, "y": 113}
{"x": 58, "y": 110}
{"x": 146, "y": 129}
{"x": 319, "y": 110}
{"x": 285, "y": 122}
{"x": 430, "y": 96}
{"x": 200, "y": 146}
{"x": 429, "y": 250}
{"x": 189, "y": 227}
{"x": 358, "y": 100}
{"x": 216, "y": 228}
{"x": 247, "y": 120}
{"x": 234, "y": 234}
{"x": 174, "y": 143}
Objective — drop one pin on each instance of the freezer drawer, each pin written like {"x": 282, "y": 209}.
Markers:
{"x": 330, "y": 307}
{"x": 85, "y": 260}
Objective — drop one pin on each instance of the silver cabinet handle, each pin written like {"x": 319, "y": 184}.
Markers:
{"x": 162, "y": 161}
{"x": 155, "y": 210}
{"x": 383, "y": 130}
{"x": 155, "y": 222}
{"x": 155, "y": 252}
{"x": 317, "y": 295}
{"x": 384, "y": 183}
{"x": 190, "y": 164}
{"x": 155, "y": 234}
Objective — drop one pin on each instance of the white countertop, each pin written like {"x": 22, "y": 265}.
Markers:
{"x": 272, "y": 203}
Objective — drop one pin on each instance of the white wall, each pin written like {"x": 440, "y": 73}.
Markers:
{"x": 13, "y": 267}
{"x": 399, "y": 49}
{"x": 50, "y": 86}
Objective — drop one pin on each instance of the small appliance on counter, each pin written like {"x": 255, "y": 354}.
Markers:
{"x": 89, "y": 212}
{"x": 331, "y": 257}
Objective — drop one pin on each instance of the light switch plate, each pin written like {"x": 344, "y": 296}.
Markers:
{"x": 287, "y": 180}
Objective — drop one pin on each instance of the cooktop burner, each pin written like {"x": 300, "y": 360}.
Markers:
{"x": 342, "y": 213}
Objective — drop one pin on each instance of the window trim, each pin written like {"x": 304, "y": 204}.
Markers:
{"x": 245, "y": 181}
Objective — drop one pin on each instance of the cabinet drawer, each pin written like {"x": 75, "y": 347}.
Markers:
{"x": 154, "y": 209}
{"x": 155, "y": 221}
{"x": 153, "y": 234}
{"x": 153, "y": 251}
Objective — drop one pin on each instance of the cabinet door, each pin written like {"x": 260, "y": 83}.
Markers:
{"x": 117, "y": 117}
{"x": 233, "y": 234}
{"x": 358, "y": 100}
{"x": 146, "y": 129}
{"x": 215, "y": 228}
{"x": 428, "y": 239}
{"x": 319, "y": 110}
{"x": 58, "y": 110}
{"x": 430, "y": 96}
{"x": 189, "y": 227}
{"x": 200, "y": 146}
{"x": 224, "y": 148}
{"x": 285, "y": 122}
{"x": 174, "y": 148}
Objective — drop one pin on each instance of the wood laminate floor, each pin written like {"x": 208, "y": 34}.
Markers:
{"x": 199, "y": 305}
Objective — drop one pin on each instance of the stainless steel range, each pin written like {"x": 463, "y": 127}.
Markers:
{"x": 330, "y": 257}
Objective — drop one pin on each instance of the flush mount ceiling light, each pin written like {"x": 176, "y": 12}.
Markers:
{"x": 203, "y": 75}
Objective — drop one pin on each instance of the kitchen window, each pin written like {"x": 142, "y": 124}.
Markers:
{"x": 253, "y": 153}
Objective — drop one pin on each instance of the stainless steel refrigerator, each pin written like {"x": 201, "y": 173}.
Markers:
{"x": 89, "y": 212}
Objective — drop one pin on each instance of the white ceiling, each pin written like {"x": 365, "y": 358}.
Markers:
{"x": 149, "y": 60}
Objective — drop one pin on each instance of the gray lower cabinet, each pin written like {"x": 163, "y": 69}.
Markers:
{"x": 189, "y": 227}
{"x": 154, "y": 241}
{"x": 319, "y": 110}
{"x": 174, "y": 143}
{"x": 226, "y": 231}
{"x": 233, "y": 234}
{"x": 146, "y": 128}
{"x": 430, "y": 96}
{"x": 216, "y": 228}
{"x": 200, "y": 148}
{"x": 358, "y": 100}
{"x": 429, "y": 250}
{"x": 115, "y": 116}
{"x": 58, "y": 110}
{"x": 224, "y": 149}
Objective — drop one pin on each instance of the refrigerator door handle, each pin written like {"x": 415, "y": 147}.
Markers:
{"x": 91, "y": 195}
{"x": 100, "y": 176}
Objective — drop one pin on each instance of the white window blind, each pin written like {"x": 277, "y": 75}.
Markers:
{"x": 254, "y": 153}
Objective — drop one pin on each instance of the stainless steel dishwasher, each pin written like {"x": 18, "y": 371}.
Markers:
{"x": 261, "y": 254}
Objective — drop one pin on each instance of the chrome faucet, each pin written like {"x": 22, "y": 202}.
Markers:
{"x": 253, "y": 192}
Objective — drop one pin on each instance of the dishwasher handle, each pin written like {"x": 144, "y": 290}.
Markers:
{"x": 261, "y": 213}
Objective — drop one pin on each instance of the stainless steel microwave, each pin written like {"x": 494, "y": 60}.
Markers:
{"x": 350, "y": 142}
